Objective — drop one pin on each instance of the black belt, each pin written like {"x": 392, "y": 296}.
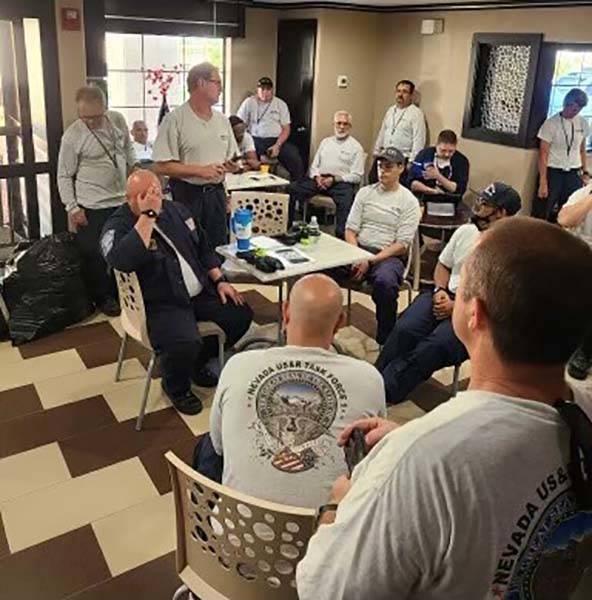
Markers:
{"x": 206, "y": 187}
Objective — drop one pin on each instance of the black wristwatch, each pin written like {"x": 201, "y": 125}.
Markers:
{"x": 221, "y": 279}
{"x": 439, "y": 289}
{"x": 149, "y": 212}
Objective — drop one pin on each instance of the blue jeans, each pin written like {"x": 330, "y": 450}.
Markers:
{"x": 418, "y": 346}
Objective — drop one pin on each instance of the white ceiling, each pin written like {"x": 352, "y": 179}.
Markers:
{"x": 409, "y": 3}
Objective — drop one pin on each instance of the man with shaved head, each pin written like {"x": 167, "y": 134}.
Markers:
{"x": 181, "y": 283}
{"x": 278, "y": 412}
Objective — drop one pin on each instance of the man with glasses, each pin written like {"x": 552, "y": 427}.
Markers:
{"x": 383, "y": 220}
{"x": 562, "y": 156}
{"x": 423, "y": 340}
{"x": 95, "y": 156}
{"x": 338, "y": 167}
{"x": 195, "y": 147}
{"x": 268, "y": 120}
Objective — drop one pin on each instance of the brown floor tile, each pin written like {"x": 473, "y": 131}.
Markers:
{"x": 69, "y": 338}
{"x": 54, "y": 569}
{"x": 119, "y": 441}
{"x": 363, "y": 319}
{"x": 155, "y": 580}
{"x": 156, "y": 465}
{"x": 18, "y": 402}
{"x": 54, "y": 424}
{"x": 104, "y": 352}
{"x": 430, "y": 394}
{"x": 4, "y": 549}
{"x": 265, "y": 310}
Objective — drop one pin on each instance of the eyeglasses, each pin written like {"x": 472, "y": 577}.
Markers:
{"x": 92, "y": 118}
{"x": 217, "y": 82}
{"x": 343, "y": 123}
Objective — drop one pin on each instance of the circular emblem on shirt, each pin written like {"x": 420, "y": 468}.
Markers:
{"x": 296, "y": 407}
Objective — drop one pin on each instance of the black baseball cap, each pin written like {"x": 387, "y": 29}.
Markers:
{"x": 392, "y": 155}
{"x": 501, "y": 195}
{"x": 265, "y": 82}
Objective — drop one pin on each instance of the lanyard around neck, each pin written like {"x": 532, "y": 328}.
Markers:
{"x": 569, "y": 143}
{"x": 112, "y": 157}
{"x": 398, "y": 121}
{"x": 259, "y": 117}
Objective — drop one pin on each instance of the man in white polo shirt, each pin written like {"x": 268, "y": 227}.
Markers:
{"x": 194, "y": 148}
{"x": 383, "y": 220}
{"x": 142, "y": 145}
{"x": 268, "y": 120}
{"x": 403, "y": 126}
{"x": 576, "y": 215}
{"x": 338, "y": 167}
{"x": 423, "y": 340}
{"x": 562, "y": 156}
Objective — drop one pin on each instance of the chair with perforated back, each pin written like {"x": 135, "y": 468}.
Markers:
{"x": 133, "y": 323}
{"x": 231, "y": 546}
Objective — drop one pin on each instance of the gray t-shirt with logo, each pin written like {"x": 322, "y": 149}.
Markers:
{"x": 187, "y": 138}
{"x": 276, "y": 417}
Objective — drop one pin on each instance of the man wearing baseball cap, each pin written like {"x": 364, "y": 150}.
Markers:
{"x": 423, "y": 340}
{"x": 383, "y": 220}
{"x": 268, "y": 121}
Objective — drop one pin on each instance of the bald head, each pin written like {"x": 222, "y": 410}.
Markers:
{"x": 315, "y": 307}
{"x": 140, "y": 183}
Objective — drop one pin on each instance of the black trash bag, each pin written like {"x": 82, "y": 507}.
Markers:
{"x": 46, "y": 292}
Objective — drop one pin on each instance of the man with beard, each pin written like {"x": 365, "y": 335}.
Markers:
{"x": 423, "y": 340}
{"x": 337, "y": 168}
{"x": 277, "y": 413}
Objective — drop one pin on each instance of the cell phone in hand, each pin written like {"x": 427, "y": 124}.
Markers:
{"x": 355, "y": 449}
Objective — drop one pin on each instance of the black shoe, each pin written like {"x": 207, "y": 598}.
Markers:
{"x": 205, "y": 377}
{"x": 187, "y": 403}
{"x": 579, "y": 365}
{"x": 110, "y": 307}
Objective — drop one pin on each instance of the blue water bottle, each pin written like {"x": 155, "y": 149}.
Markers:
{"x": 242, "y": 224}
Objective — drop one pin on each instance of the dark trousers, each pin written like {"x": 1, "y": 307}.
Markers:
{"x": 289, "y": 156}
{"x": 342, "y": 194}
{"x": 173, "y": 333}
{"x": 99, "y": 281}
{"x": 562, "y": 184}
{"x": 418, "y": 346}
{"x": 207, "y": 204}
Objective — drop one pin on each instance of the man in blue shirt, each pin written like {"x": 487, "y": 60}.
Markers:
{"x": 181, "y": 282}
{"x": 440, "y": 170}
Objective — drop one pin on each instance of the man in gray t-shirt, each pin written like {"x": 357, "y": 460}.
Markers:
{"x": 277, "y": 413}
{"x": 95, "y": 156}
{"x": 383, "y": 220}
{"x": 195, "y": 147}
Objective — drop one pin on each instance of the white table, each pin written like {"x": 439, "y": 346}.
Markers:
{"x": 327, "y": 253}
{"x": 252, "y": 180}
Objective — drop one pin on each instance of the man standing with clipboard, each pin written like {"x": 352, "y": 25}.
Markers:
{"x": 562, "y": 156}
{"x": 95, "y": 156}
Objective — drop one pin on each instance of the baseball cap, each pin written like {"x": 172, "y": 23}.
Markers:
{"x": 501, "y": 195}
{"x": 392, "y": 155}
{"x": 265, "y": 82}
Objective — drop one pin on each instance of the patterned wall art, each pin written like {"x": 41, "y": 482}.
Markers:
{"x": 501, "y": 86}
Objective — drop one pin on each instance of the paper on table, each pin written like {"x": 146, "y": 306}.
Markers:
{"x": 264, "y": 242}
{"x": 290, "y": 256}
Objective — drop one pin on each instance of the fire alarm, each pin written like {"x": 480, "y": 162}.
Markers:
{"x": 70, "y": 19}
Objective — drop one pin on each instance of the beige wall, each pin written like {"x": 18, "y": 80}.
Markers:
{"x": 72, "y": 61}
{"x": 439, "y": 66}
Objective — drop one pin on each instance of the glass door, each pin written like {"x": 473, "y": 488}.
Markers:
{"x": 29, "y": 133}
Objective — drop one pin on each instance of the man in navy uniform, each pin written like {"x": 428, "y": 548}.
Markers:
{"x": 181, "y": 282}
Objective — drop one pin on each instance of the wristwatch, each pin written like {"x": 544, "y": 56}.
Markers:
{"x": 439, "y": 289}
{"x": 221, "y": 279}
{"x": 149, "y": 212}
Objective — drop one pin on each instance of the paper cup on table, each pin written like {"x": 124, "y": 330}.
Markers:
{"x": 264, "y": 169}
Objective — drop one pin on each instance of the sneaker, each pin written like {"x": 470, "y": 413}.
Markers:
{"x": 205, "y": 377}
{"x": 187, "y": 403}
{"x": 579, "y": 365}
{"x": 110, "y": 307}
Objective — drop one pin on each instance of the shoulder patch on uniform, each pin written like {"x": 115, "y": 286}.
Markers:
{"x": 190, "y": 223}
{"x": 107, "y": 241}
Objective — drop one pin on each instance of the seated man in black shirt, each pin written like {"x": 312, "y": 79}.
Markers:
{"x": 181, "y": 283}
{"x": 440, "y": 170}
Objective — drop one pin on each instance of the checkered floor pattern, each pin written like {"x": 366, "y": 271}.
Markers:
{"x": 86, "y": 510}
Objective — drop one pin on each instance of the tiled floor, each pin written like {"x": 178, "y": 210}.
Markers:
{"x": 85, "y": 500}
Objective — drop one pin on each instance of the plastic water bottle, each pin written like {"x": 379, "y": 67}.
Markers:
{"x": 314, "y": 231}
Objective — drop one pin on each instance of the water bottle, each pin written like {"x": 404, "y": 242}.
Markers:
{"x": 314, "y": 231}
{"x": 241, "y": 224}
